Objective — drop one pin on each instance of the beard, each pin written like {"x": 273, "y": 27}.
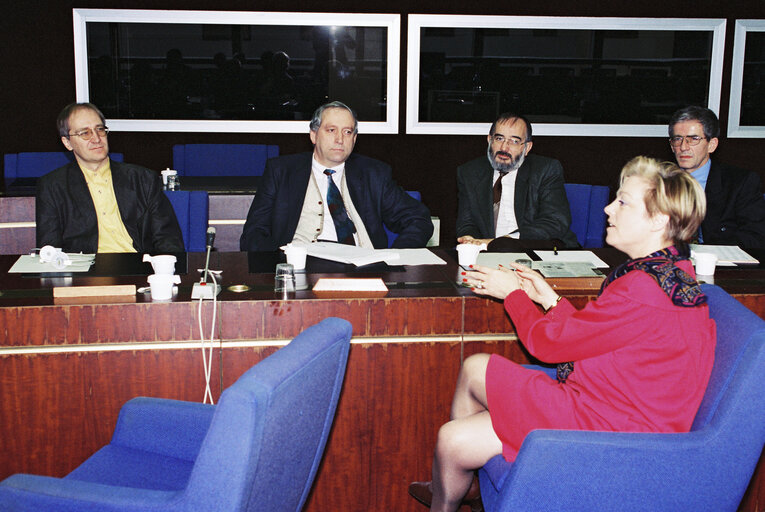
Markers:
{"x": 513, "y": 164}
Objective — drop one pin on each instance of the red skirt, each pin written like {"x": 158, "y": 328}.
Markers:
{"x": 521, "y": 400}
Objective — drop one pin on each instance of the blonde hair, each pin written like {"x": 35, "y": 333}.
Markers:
{"x": 671, "y": 191}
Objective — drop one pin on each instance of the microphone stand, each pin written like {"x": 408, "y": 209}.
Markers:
{"x": 203, "y": 290}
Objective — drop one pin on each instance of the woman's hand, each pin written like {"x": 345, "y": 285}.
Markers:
{"x": 497, "y": 283}
{"x": 535, "y": 286}
{"x": 467, "y": 239}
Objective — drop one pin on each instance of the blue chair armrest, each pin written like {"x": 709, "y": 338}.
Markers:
{"x": 166, "y": 427}
{"x": 26, "y": 493}
{"x": 581, "y": 470}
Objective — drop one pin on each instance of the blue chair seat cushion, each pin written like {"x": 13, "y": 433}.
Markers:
{"x": 127, "y": 467}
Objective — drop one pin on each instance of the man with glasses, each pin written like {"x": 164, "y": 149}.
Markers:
{"x": 95, "y": 204}
{"x": 735, "y": 205}
{"x": 509, "y": 193}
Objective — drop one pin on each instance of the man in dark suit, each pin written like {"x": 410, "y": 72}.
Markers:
{"x": 735, "y": 205}
{"x": 97, "y": 205}
{"x": 509, "y": 193}
{"x": 332, "y": 195}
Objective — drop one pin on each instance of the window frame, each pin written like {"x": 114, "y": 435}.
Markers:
{"x": 418, "y": 21}
{"x": 391, "y": 22}
{"x": 735, "y": 130}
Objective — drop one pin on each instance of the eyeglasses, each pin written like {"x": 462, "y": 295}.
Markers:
{"x": 501, "y": 139}
{"x": 692, "y": 140}
{"x": 87, "y": 133}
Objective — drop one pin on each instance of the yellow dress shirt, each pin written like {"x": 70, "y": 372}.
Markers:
{"x": 112, "y": 235}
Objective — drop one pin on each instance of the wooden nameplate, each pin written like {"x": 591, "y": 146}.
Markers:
{"x": 575, "y": 283}
{"x": 94, "y": 291}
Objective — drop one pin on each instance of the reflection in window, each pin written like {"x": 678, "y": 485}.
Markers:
{"x": 753, "y": 81}
{"x": 235, "y": 72}
{"x": 580, "y": 76}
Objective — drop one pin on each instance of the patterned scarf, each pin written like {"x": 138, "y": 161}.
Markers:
{"x": 682, "y": 289}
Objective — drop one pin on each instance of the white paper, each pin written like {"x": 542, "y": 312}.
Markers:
{"x": 573, "y": 256}
{"x": 726, "y": 254}
{"x": 566, "y": 269}
{"x": 344, "y": 253}
{"x": 410, "y": 257}
{"x": 350, "y": 284}
{"x": 495, "y": 259}
{"x": 31, "y": 264}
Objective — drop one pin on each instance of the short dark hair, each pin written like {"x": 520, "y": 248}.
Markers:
{"x": 316, "y": 119}
{"x": 509, "y": 116}
{"x": 62, "y": 121}
{"x": 706, "y": 117}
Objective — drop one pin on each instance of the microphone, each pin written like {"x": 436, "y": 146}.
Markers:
{"x": 210, "y": 236}
{"x": 209, "y": 243}
{"x": 201, "y": 290}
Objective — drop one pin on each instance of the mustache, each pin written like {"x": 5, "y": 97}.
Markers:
{"x": 503, "y": 153}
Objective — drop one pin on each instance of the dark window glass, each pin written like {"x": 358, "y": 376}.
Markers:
{"x": 562, "y": 76}
{"x": 234, "y": 72}
{"x": 753, "y": 84}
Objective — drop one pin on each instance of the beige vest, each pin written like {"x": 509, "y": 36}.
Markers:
{"x": 311, "y": 220}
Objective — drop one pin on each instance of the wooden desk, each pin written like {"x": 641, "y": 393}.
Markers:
{"x": 65, "y": 370}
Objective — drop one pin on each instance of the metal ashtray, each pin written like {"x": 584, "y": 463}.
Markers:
{"x": 238, "y": 288}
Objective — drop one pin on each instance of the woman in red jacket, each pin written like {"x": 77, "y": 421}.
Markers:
{"x": 637, "y": 359}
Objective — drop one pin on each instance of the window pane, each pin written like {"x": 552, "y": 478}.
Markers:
{"x": 561, "y": 76}
{"x": 753, "y": 83}
{"x": 235, "y": 72}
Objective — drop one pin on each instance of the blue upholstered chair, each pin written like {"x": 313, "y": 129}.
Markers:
{"x": 191, "y": 209}
{"x": 222, "y": 159}
{"x": 391, "y": 235}
{"x": 258, "y": 449}
{"x": 588, "y": 220}
{"x": 34, "y": 165}
{"x": 707, "y": 469}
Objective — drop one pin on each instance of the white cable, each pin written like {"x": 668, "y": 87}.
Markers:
{"x": 207, "y": 363}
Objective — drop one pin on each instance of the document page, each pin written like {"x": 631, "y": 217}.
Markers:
{"x": 27, "y": 264}
{"x": 726, "y": 254}
{"x": 572, "y": 256}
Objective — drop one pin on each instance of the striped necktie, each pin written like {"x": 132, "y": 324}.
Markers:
{"x": 343, "y": 224}
{"x": 498, "y": 196}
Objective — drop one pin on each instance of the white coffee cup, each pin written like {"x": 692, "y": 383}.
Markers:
{"x": 161, "y": 286}
{"x": 705, "y": 263}
{"x": 296, "y": 255}
{"x": 162, "y": 264}
{"x": 167, "y": 172}
{"x": 467, "y": 254}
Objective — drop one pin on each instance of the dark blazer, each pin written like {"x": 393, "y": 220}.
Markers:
{"x": 66, "y": 217}
{"x": 735, "y": 208}
{"x": 275, "y": 210}
{"x": 541, "y": 206}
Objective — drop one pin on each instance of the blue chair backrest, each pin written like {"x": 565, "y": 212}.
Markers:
{"x": 268, "y": 434}
{"x": 222, "y": 159}
{"x": 740, "y": 336}
{"x": 192, "y": 211}
{"x": 588, "y": 220}
{"x": 34, "y": 165}
{"x": 391, "y": 235}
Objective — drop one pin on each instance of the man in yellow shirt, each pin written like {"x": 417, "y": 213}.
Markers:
{"x": 98, "y": 205}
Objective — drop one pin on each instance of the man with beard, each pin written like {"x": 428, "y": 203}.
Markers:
{"x": 511, "y": 193}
